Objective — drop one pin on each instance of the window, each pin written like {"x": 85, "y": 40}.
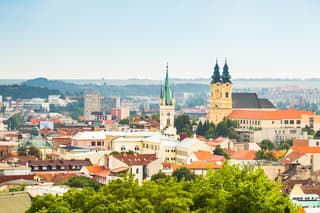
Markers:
{"x": 298, "y": 121}
{"x": 272, "y": 122}
{"x": 136, "y": 148}
{"x": 168, "y": 122}
{"x": 137, "y": 170}
{"x": 93, "y": 143}
{"x": 286, "y": 122}
{"x": 123, "y": 148}
{"x": 317, "y": 143}
{"x": 98, "y": 143}
{"x": 291, "y": 121}
{"x": 227, "y": 95}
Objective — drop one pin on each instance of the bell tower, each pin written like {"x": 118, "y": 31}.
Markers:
{"x": 220, "y": 94}
{"x": 167, "y": 104}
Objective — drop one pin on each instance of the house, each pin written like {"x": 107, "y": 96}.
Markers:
{"x": 142, "y": 166}
{"x": 204, "y": 156}
{"x": 303, "y": 159}
{"x": 224, "y": 143}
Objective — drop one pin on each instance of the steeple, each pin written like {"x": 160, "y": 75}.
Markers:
{"x": 167, "y": 89}
{"x": 161, "y": 92}
{"x": 225, "y": 74}
{"x": 216, "y": 73}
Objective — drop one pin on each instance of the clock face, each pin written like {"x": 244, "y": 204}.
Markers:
{"x": 168, "y": 113}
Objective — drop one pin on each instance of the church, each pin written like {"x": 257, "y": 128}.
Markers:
{"x": 223, "y": 101}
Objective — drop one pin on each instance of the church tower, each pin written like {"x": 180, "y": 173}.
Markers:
{"x": 220, "y": 94}
{"x": 167, "y": 103}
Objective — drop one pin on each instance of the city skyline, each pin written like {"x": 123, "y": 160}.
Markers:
{"x": 121, "y": 40}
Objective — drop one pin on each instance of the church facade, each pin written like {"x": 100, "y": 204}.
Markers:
{"x": 167, "y": 107}
{"x": 223, "y": 101}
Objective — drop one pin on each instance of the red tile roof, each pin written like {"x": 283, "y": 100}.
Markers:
{"x": 292, "y": 157}
{"x": 269, "y": 114}
{"x": 208, "y": 156}
{"x": 300, "y": 142}
{"x": 136, "y": 159}
{"x": 243, "y": 155}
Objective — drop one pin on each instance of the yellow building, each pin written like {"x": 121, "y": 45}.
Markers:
{"x": 223, "y": 101}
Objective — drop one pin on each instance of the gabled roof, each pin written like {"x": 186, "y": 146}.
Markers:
{"x": 269, "y": 115}
{"x": 306, "y": 149}
{"x": 136, "y": 159}
{"x": 292, "y": 157}
{"x": 249, "y": 101}
{"x": 96, "y": 169}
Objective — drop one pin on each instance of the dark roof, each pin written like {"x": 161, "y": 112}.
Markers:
{"x": 249, "y": 101}
{"x": 265, "y": 103}
{"x": 136, "y": 159}
{"x": 85, "y": 162}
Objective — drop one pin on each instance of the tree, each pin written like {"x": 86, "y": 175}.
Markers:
{"x": 157, "y": 176}
{"x": 34, "y": 151}
{"x": 22, "y": 151}
{"x": 219, "y": 151}
{"x": 14, "y": 121}
{"x": 156, "y": 117}
{"x": 81, "y": 182}
{"x": 124, "y": 121}
{"x": 284, "y": 144}
{"x": 266, "y": 145}
{"x": 231, "y": 189}
{"x": 183, "y": 173}
{"x": 182, "y": 124}
{"x": 265, "y": 155}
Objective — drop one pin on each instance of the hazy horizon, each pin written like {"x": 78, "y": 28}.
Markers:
{"x": 134, "y": 39}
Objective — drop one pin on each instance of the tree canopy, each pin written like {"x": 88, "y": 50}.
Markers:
{"x": 230, "y": 189}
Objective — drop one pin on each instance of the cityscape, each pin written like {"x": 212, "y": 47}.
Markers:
{"x": 81, "y": 130}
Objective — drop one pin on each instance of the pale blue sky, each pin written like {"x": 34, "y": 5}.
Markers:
{"x": 134, "y": 39}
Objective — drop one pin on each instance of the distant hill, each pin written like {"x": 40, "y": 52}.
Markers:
{"x": 113, "y": 90}
{"x": 25, "y": 91}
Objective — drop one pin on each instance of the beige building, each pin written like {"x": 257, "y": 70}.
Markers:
{"x": 92, "y": 103}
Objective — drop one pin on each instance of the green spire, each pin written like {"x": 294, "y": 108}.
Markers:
{"x": 167, "y": 90}
{"x": 225, "y": 74}
{"x": 216, "y": 73}
{"x": 161, "y": 92}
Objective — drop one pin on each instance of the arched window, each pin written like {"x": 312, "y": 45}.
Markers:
{"x": 137, "y": 170}
{"x": 168, "y": 122}
{"x": 227, "y": 95}
{"x": 136, "y": 148}
{"x": 123, "y": 148}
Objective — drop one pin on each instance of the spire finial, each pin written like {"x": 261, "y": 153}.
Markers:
{"x": 217, "y": 60}
{"x": 225, "y": 60}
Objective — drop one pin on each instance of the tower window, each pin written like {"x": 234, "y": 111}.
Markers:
{"x": 227, "y": 95}
{"x": 168, "y": 122}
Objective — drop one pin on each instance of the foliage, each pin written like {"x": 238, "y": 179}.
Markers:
{"x": 157, "y": 176}
{"x": 308, "y": 129}
{"x": 22, "y": 151}
{"x": 230, "y": 189}
{"x": 25, "y": 92}
{"x": 183, "y": 124}
{"x": 124, "y": 121}
{"x": 266, "y": 145}
{"x": 219, "y": 151}
{"x": 14, "y": 121}
{"x": 74, "y": 109}
{"x": 17, "y": 188}
{"x": 34, "y": 151}
{"x": 225, "y": 128}
{"x": 265, "y": 155}
{"x": 81, "y": 182}
{"x": 284, "y": 144}
{"x": 183, "y": 173}
{"x": 156, "y": 117}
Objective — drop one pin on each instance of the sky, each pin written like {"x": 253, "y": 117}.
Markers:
{"x": 76, "y": 39}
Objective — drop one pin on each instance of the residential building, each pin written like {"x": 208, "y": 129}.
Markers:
{"x": 91, "y": 104}
{"x": 142, "y": 166}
